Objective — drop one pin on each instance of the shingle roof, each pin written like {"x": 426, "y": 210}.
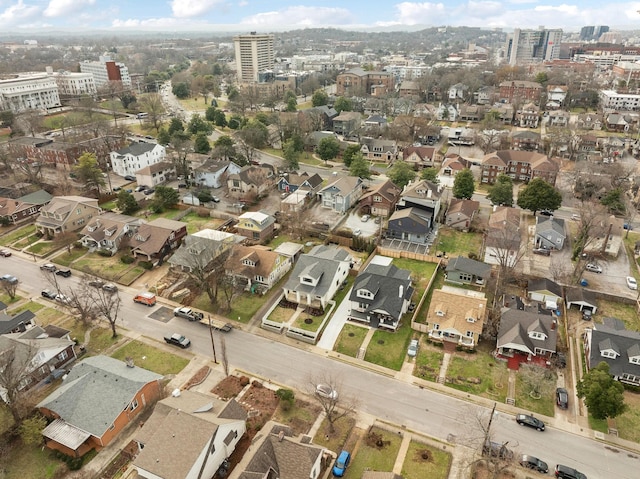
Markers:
{"x": 321, "y": 262}
{"x": 515, "y": 326}
{"x": 544, "y": 284}
{"x": 457, "y": 308}
{"x": 137, "y": 148}
{"x": 468, "y": 265}
{"x": 390, "y": 286}
{"x": 623, "y": 341}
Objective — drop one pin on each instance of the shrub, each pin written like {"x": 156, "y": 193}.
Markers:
{"x": 105, "y": 253}
{"x": 146, "y": 265}
{"x": 78, "y": 244}
{"x": 472, "y": 255}
{"x": 127, "y": 259}
{"x": 202, "y": 213}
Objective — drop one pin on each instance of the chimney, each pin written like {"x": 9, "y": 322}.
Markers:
{"x": 400, "y": 291}
{"x": 553, "y": 325}
{"x": 280, "y": 436}
{"x": 428, "y": 193}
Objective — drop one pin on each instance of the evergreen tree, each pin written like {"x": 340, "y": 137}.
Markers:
{"x": 464, "y": 185}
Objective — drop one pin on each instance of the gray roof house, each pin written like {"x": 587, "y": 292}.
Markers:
{"x": 580, "y": 297}
{"x": 526, "y": 332}
{"x": 381, "y": 295}
{"x": 201, "y": 248}
{"x": 211, "y": 172}
{"x": 544, "y": 290}
{"x": 409, "y": 224}
{"x": 317, "y": 276}
{"x": 612, "y": 343}
{"x": 189, "y": 434}
{"x": 99, "y": 397}
{"x": 341, "y": 194}
{"x": 17, "y": 323}
{"x": 550, "y": 233}
{"x": 461, "y": 270}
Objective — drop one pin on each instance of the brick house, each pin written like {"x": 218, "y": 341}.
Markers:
{"x": 24, "y": 208}
{"x": 519, "y": 165}
{"x": 358, "y": 81}
{"x": 156, "y": 239}
{"x": 520, "y": 91}
{"x": 381, "y": 200}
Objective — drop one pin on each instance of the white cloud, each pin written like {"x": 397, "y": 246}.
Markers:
{"x": 148, "y": 23}
{"x": 243, "y": 3}
{"x": 301, "y": 16}
{"x": 59, "y": 8}
{"x": 19, "y": 15}
{"x": 193, "y": 8}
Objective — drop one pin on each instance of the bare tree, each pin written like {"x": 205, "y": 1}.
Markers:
{"x": 224, "y": 358}
{"x": 77, "y": 300}
{"x": 328, "y": 392}
{"x": 208, "y": 272}
{"x": 15, "y": 368}
{"x": 10, "y": 288}
{"x": 538, "y": 380}
{"x": 592, "y": 228}
{"x": 107, "y": 306}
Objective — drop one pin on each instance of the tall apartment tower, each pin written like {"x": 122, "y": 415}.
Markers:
{"x": 592, "y": 32}
{"x": 254, "y": 54}
{"x": 106, "y": 70}
{"x": 531, "y": 46}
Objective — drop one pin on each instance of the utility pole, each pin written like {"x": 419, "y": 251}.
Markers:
{"x": 213, "y": 344}
{"x": 486, "y": 433}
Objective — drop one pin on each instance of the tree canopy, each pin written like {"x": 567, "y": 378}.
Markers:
{"x": 430, "y": 174}
{"x": 401, "y": 173}
{"x": 539, "y": 195}
{"x": 360, "y": 167}
{"x": 464, "y": 185}
{"x": 126, "y": 203}
{"x": 328, "y": 148}
{"x": 501, "y": 193}
{"x": 88, "y": 172}
{"x": 319, "y": 98}
{"x": 290, "y": 154}
{"x": 342, "y": 104}
{"x": 201, "y": 144}
{"x": 349, "y": 153}
{"x": 603, "y": 395}
{"x": 165, "y": 197}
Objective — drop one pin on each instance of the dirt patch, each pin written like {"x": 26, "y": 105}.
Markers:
{"x": 481, "y": 471}
{"x": 375, "y": 440}
{"x": 423, "y": 455}
{"x": 198, "y": 377}
{"x": 230, "y": 387}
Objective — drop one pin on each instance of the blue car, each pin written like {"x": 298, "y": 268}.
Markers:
{"x": 341, "y": 464}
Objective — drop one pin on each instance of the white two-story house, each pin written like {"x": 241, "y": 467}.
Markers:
{"x": 138, "y": 155}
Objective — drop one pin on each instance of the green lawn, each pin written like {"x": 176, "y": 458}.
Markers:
{"x": 308, "y": 159}
{"x": 428, "y": 362}
{"x": 243, "y": 307}
{"x": 436, "y": 465}
{"x": 65, "y": 259}
{"x": 131, "y": 275}
{"x": 50, "y": 315}
{"x": 457, "y": 243}
{"x": 101, "y": 340}
{"x": 624, "y": 312}
{"x": 389, "y": 349}
{"x": 437, "y": 284}
{"x": 375, "y": 458}
{"x": 30, "y": 305}
{"x": 493, "y": 375}
{"x": 197, "y": 223}
{"x": 6, "y": 299}
{"x": 109, "y": 205}
{"x": 32, "y": 461}
{"x": 628, "y": 423}
{"x": 350, "y": 340}
{"x": 43, "y": 248}
{"x": 334, "y": 441}
{"x": 421, "y": 273}
{"x": 26, "y": 241}
{"x": 151, "y": 358}
{"x": 109, "y": 268}
{"x": 6, "y": 419}
{"x": 281, "y": 315}
{"x": 314, "y": 325}
{"x": 545, "y": 405}
{"x": 17, "y": 234}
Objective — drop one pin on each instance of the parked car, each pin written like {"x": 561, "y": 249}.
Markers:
{"x": 178, "y": 339}
{"x": 64, "y": 272}
{"x": 47, "y": 293}
{"x": 594, "y": 268}
{"x": 141, "y": 188}
{"x": 110, "y": 288}
{"x": 566, "y": 472}
{"x": 587, "y": 314}
{"x": 575, "y": 217}
{"x": 5, "y": 252}
{"x": 327, "y": 392}
{"x": 51, "y": 268}
{"x": 495, "y": 449}
{"x": 341, "y": 464}
{"x": 542, "y": 251}
{"x": 215, "y": 199}
{"x": 130, "y": 178}
{"x": 528, "y": 420}
{"x": 61, "y": 298}
{"x": 188, "y": 313}
{"x": 628, "y": 226}
{"x": 149, "y": 191}
{"x": 546, "y": 213}
{"x": 365, "y": 218}
{"x": 632, "y": 283}
{"x": 561, "y": 360}
{"x": 357, "y": 232}
{"x": 96, "y": 283}
{"x": 145, "y": 298}
{"x": 562, "y": 398}
{"x": 413, "y": 348}
{"x": 532, "y": 462}
{"x": 9, "y": 279}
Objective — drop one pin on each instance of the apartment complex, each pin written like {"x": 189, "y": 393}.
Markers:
{"x": 29, "y": 92}
{"x": 254, "y": 54}
{"x": 358, "y": 81}
{"x": 612, "y": 100}
{"x": 519, "y": 165}
{"x": 73, "y": 84}
{"x": 529, "y": 46}
{"x": 106, "y": 70}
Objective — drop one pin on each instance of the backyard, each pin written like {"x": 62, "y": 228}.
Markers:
{"x": 457, "y": 243}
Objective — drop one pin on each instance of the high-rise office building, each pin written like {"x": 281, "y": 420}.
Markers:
{"x": 254, "y": 54}
{"x": 591, "y": 32}
{"x": 106, "y": 70}
{"x": 530, "y": 46}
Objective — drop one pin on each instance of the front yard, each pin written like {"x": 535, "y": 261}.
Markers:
{"x": 428, "y": 362}
{"x": 389, "y": 349}
{"x": 153, "y": 359}
{"x": 479, "y": 374}
{"x": 350, "y": 339}
{"x": 377, "y": 451}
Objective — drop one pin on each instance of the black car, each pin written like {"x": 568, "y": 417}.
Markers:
{"x": 561, "y": 360}
{"x": 562, "y": 398}
{"x": 546, "y": 213}
{"x": 148, "y": 192}
{"x": 565, "y": 472}
{"x": 587, "y": 315}
{"x": 130, "y": 178}
{"x": 528, "y": 420}
{"x": 532, "y": 462}
{"x": 64, "y": 273}
{"x": 542, "y": 251}
{"x": 47, "y": 293}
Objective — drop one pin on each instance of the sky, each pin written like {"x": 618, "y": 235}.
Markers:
{"x": 22, "y": 16}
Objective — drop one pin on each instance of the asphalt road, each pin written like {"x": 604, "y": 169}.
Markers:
{"x": 387, "y": 398}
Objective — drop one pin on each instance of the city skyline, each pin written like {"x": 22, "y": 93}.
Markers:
{"x": 22, "y": 16}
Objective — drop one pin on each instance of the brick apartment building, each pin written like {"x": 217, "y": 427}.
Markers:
{"x": 519, "y": 165}
{"x": 360, "y": 82}
{"x": 520, "y": 91}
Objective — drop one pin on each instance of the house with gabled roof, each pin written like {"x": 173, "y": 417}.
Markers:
{"x": 156, "y": 239}
{"x": 545, "y": 290}
{"x": 291, "y": 182}
{"x": 156, "y": 174}
{"x": 212, "y": 172}
{"x": 25, "y": 208}
{"x": 257, "y": 226}
{"x": 420, "y": 156}
{"x": 461, "y": 270}
{"x": 611, "y": 342}
{"x": 347, "y": 123}
{"x": 409, "y": 224}
{"x": 528, "y": 116}
{"x": 188, "y": 435}
{"x": 525, "y": 335}
{"x": 558, "y": 118}
{"x": 256, "y": 268}
{"x": 136, "y": 156}
{"x": 503, "y": 240}
{"x": 380, "y": 200}
{"x": 590, "y": 121}
{"x": 107, "y": 231}
{"x": 66, "y": 214}
{"x": 15, "y": 324}
{"x": 526, "y": 140}
{"x": 199, "y": 249}
{"x": 451, "y": 166}
{"x": 456, "y": 316}
{"x": 550, "y": 233}
{"x": 461, "y": 213}
{"x": 251, "y": 181}
{"x": 98, "y": 399}
{"x": 341, "y": 194}
{"x": 381, "y": 294}
{"x": 581, "y": 297}
{"x": 608, "y": 237}
{"x": 317, "y": 276}
{"x": 376, "y": 149}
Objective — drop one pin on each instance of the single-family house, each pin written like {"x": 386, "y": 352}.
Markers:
{"x": 381, "y": 294}
{"x": 24, "y": 208}
{"x": 251, "y": 181}
{"x": 461, "y": 270}
{"x": 66, "y": 214}
{"x": 291, "y": 182}
{"x": 525, "y": 336}
{"x": 408, "y": 88}
{"x": 447, "y": 112}
{"x": 156, "y": 174}
{"x": 32, "y": 354}
{"x": 198, "y": 250}
{"x": 136, "y": 156}
{"x": 619, "y": 122}
{"x": 456, "y": 316}
{"x": 457, "y": 92}
{"x": 545, "y": 291}
{"x": 558, "y": 118}
{"x": 590, "y": 121}
{"x": 189, "y": 435}
{"x": 380, "y": 200}
{"x": 484, "y": 95}
{"x": 375, "y": 149}
{"x": 502, "y": 243}
{"x": 420, "y": 156}
{"x": 461, "y": 137}
{"x": 451, "y": 166}
{"x": 473, "y": 113}
{"x": 277, "y": 453}
{"x": 347, "y": 123}
{"x": 317, "y": 276}
{"x": 16, "y": 324}
{"x": 461, "y": 213}
{"x": 256, "y": 225}
{"x": 156, "y": 239}
{"x": 526, "y": 140}
{"x": 409, "y": 224}
{"x": 255, "y": 268}
{"x": 608, "y": 237}
{"x": 376, "y": 121}
{"x": 108, "y": 230}
{"x": 556, "y": 95}
{"x": 212, "y": 173}
{"x": 528, "y": 116}
{"x": 615, "y": 345}
{"x": 98, "y": 399}
{"x": 424, "y": 197}
{"x": 550, "y": 233}
{"x": 580, "y": 297}
{"x": 341, "y": 194}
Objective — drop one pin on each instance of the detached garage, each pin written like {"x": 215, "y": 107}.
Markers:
{"x": 582, "y": 299}
{"x": 545, "y": 291}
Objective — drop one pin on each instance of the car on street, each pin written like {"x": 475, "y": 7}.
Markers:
{"x": 365, "y": 218}
{"x": 51, "y": 268}
{"x": 178, "y": 339}
{"x": 188, "y": 313}
{"x": 594, "y": 268}
{"x": 357, "y": 232}
{"x": 327, "y": 392}
{"x": 413, "y": 348}
{"x": 5, "y": 252}
{"x": 632, "y": 283}
{"x": 575, "y": 217}
{"x": 495, "y": 449}
{"x": 140, "y": 188}
{"x": 546, "y": 213}
{"x": 64, "y": 272}
{"x": 341, "y": 464}
{"x": 532, "y": 462}
{"x": 529, "y": 420}
{"x": 47, "y": 293}
{"x": 562, "y": 398}
{"x": 566, "y": 472}
{"x": 149, "y": 191}
{"x": 96, "y": 283}
{"x": 61, "y": 298}
{"x": 110, "y": 288}
{"x": 9, "y": 279}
